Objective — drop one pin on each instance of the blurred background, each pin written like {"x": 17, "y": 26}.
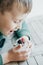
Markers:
{"x": 37, "y": 8}
{"x": 35, "y": 25}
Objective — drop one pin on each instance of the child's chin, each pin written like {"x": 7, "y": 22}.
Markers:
{"x": 10, "y": 34}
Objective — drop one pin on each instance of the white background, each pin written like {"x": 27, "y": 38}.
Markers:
{"x": 37, "y": 8}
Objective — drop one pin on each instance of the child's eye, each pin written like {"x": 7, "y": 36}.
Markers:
{"x": 18, "y": 21}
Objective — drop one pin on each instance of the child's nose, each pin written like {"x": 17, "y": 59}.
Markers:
{"x": 12, "y": 27}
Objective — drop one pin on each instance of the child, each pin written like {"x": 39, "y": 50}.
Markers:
{"x": 12, "y": 13}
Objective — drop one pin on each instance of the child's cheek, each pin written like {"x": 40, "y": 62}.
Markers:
{"x": 9, "y": 28}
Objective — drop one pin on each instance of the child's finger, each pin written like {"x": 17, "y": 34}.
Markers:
{"x": 30, "y": 44}
{"x": 18, "y": 47}
{"x": 24, "y": 53}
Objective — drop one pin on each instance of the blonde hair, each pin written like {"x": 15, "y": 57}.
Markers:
{"x": 6, "y": 5}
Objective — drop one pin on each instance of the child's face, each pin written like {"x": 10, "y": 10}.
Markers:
{"x": 11, "y": 21}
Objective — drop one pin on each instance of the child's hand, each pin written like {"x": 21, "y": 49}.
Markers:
{"x": 18, "y": 56}
{"x": 15, "y": 55}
